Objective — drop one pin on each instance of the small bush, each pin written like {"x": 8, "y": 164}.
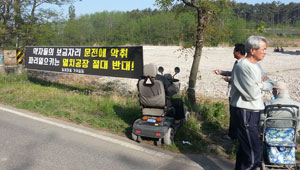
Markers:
{"x": 191, "y": 131}
{"x": 213, "y": 116}
{"x": 297, "y": 155}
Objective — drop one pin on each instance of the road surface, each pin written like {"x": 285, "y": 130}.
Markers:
{"x": 30, "y": 141}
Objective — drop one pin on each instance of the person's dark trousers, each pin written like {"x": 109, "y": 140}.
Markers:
{"x": 232, "y": 123}
{"x": 249, "y": 152}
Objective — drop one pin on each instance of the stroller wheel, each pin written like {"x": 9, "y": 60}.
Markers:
{"x": 263, "y": 166}
{"x": 297, "y": 166}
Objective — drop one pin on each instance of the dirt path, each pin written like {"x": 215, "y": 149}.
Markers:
{"x": 279, "y": 67}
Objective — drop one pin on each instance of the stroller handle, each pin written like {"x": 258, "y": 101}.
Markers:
{"x": 291, "y": 108}
{"x": 270, "y": 107}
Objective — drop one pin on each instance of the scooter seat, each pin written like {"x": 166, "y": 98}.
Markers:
{"x": 153, "y": 112}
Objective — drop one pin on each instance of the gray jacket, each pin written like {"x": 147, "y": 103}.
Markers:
{"x": 282, "y": 98}
{"x": 247, "y": 86}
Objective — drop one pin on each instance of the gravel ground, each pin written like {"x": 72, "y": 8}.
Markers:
{"x": 279, "y": 67}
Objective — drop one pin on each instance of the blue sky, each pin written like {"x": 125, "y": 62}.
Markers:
{"x": 267, "y": 1}
{"x": 92, "y": 6}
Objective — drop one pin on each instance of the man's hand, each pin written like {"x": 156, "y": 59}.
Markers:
{"x": 227, "y": 79}
{"x": 263, "y": 79}
{"x": 218, "y": 71}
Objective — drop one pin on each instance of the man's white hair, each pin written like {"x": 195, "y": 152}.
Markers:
{"x": 254, "y": 42}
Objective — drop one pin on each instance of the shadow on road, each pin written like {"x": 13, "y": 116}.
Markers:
{"x": 211, "y": 162}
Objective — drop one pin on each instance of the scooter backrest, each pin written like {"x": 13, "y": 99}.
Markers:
{"x": 150, "y": 70}
{"x": 151, "y": 96}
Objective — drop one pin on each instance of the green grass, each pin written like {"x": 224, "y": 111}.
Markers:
{"x": 297, "y": 155}
{"x": 116, "y": 112}
{"x": 110, "y": 111}
{"x": 191, "y": 131}
{"x": 51, "y": 100}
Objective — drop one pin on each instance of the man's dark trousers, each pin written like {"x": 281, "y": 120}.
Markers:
{"x": 249, "y": 152}
{"x": 233, "y": 122}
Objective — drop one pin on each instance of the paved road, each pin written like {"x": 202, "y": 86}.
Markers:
{"x": 30, "y": 141}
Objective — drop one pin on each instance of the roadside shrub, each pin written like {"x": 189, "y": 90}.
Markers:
{"x": 213, "y": 116}
{"x": 191, "y": 132}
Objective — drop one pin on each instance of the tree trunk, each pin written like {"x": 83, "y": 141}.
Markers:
{"x": 6, "y": 16}
{"x": 18, "y": 20}
{"x": 32, "y": 15}
{"x": 29, "y": 39}
{"x": 197, "y": 57}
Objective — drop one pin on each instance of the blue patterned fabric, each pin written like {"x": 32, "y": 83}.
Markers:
{"x": 281, "y": 155}
{"x": 279, "y": 134}
{"x": 283, "y": 143}
{"x": 280, "y": 145}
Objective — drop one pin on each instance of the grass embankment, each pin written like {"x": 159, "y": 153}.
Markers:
{"x": 116, "y": 112}
{"x": 68, "y": 102}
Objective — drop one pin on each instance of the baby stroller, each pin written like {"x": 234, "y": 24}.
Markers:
{"x": 279, "y": 137}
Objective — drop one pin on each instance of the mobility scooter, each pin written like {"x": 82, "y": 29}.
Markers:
{"x": 156, "y": 121}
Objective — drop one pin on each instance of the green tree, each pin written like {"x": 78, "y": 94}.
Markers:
{"x": 36, "y": 16}
{"x": 159, "y": 29}
{"x": 72, "y": 14}
{"x": 238, "y": 30}
{"x": 270, "y": 13}
{"x": 22, "y": 21}
{"x": 78, "y": 32}
{"x": 206, "y": 9}
{"x": 188, "y": 24}
{"x": 218, "y": 30}
{"x": 6, "y": 20}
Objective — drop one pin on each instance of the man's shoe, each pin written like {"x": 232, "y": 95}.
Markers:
{"x": 177, "y": 121}
{"x": 226, "y": 137}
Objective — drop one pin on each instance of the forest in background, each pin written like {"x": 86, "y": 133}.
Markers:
{"x": 24, "y": 24}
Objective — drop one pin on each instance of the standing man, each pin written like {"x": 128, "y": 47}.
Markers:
{"x": 248, "y": 83}
{"x": 238, "y": 53}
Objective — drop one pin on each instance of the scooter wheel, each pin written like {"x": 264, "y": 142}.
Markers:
{"x": 157, "y": 142}
{"x": 169, "y": 136}
{"x": 134, "y": 136}
{"x": 139, "y": 139}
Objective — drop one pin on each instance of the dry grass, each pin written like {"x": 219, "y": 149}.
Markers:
{"x": 284, "y": 42}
